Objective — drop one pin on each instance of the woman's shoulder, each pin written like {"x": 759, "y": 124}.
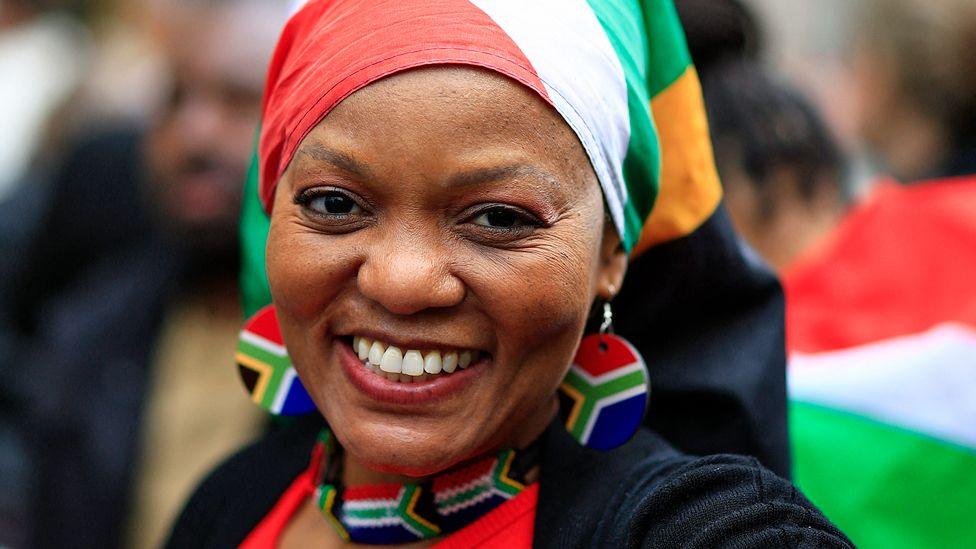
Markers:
{"x": 647, "y": 494}
{"x": 722, "y": 500}
{"x": 234, "y": 498}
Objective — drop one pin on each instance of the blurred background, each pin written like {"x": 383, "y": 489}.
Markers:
{"x": 844, "y": 132}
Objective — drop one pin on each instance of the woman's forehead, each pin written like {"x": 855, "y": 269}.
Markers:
{"x": 460, "y": 115}
{"x": 466, "y": 100}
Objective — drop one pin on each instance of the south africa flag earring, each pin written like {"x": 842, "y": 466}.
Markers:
{"x": 605, "y": 394}
{"x": 266, "y": 370}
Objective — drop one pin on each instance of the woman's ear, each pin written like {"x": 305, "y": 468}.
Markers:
{"x": 613, "y": 262}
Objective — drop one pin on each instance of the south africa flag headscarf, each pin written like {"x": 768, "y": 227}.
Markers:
{"x": 619, "y": 73}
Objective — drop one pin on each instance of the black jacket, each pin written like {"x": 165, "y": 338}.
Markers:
{"x": 644, "y": 494}
{"x": 89, "y": 371}
{"x": 82, "y": 296}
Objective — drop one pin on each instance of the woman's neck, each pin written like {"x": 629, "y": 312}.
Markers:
{"x": 356, "y": 473}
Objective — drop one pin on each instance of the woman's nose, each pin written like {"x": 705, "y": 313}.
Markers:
{"x": 406, "y": 276}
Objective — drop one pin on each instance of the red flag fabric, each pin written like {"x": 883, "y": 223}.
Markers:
{"x": 900, "y": 263}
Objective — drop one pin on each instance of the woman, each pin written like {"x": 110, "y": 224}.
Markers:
{"x": 452, "y": 187}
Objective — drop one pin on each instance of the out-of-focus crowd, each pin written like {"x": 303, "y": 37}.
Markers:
{"x": 130, "y": 128}
{"x": 127, "y": 132}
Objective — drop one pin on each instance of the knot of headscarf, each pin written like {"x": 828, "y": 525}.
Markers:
{"x": 617, "y": 71}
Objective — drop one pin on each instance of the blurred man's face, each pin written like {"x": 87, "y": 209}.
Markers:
{"x": 200, "y": 149}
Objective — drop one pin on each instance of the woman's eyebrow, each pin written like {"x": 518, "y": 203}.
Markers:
{"x": 500, "y": 173}
{"x": 344, "y": 162}
{"x": 340, "y": 160}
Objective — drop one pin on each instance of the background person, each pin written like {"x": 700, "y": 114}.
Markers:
{"x": 47, "y": 53}
{"x": 912, "y": 74}
{"x": 783, "y": 172}
{"x": 120, "y": 407}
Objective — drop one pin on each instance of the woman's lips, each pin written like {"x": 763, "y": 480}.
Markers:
{"x": 424, "y": 389}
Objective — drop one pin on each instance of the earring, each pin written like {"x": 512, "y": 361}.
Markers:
{"x": 605, "y": 394}
{"x": 266, "y": 370}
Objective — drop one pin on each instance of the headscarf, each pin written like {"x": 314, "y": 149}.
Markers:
{"x": 617, "y": 71}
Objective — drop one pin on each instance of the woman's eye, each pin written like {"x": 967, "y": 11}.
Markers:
{"x": 498, "y": 218}
{"x": 502, "y": 218}
{"x": 334, "y": 203}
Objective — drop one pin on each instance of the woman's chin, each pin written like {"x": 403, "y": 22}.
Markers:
{"x": 413, "y": 454}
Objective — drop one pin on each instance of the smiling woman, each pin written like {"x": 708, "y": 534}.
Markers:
{"x": 449, "y": 226}
{"x": 452, "y": 186}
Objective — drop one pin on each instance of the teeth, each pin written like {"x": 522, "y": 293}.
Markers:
{"x": 432, "y": 362}
{"x": 376, "y": 353}
{"x": 450, "y": 362}
{"x": 392, "y": 361}
{"x": 411, "y": 365}
{"x": 362, "y": 347}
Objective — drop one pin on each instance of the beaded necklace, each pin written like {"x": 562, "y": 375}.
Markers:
{"x": 386, "y": 514}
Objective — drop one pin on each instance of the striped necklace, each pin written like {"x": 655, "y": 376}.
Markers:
{"x": 385, "y": 514}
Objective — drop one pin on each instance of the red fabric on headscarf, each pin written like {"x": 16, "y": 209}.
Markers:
{"x": 332, "y": 48}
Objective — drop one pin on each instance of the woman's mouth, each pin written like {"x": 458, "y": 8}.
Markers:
{"x": 410, "y": 365}
{"x": 404, "y": 376}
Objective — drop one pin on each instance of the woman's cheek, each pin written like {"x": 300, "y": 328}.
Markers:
{"x": 539, "y": 299}
{"x": 558, "y": 278}
{"x": 305, "y": 269}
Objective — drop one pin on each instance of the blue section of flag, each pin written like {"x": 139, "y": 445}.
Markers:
{"x": 297, "y": 402}
{"x": 616, "y": 423}
{"x": 381, "y": 535}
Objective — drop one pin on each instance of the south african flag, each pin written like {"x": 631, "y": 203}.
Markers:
{"x": 607, "y": 392}
{"x": 265, "y": 369}
{"x": 882, "y": 379}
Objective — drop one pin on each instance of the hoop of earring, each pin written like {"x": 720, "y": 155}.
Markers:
{"x": 605, "y": 394}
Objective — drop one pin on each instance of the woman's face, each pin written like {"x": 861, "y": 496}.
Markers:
{"x": 451, "y": 214}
